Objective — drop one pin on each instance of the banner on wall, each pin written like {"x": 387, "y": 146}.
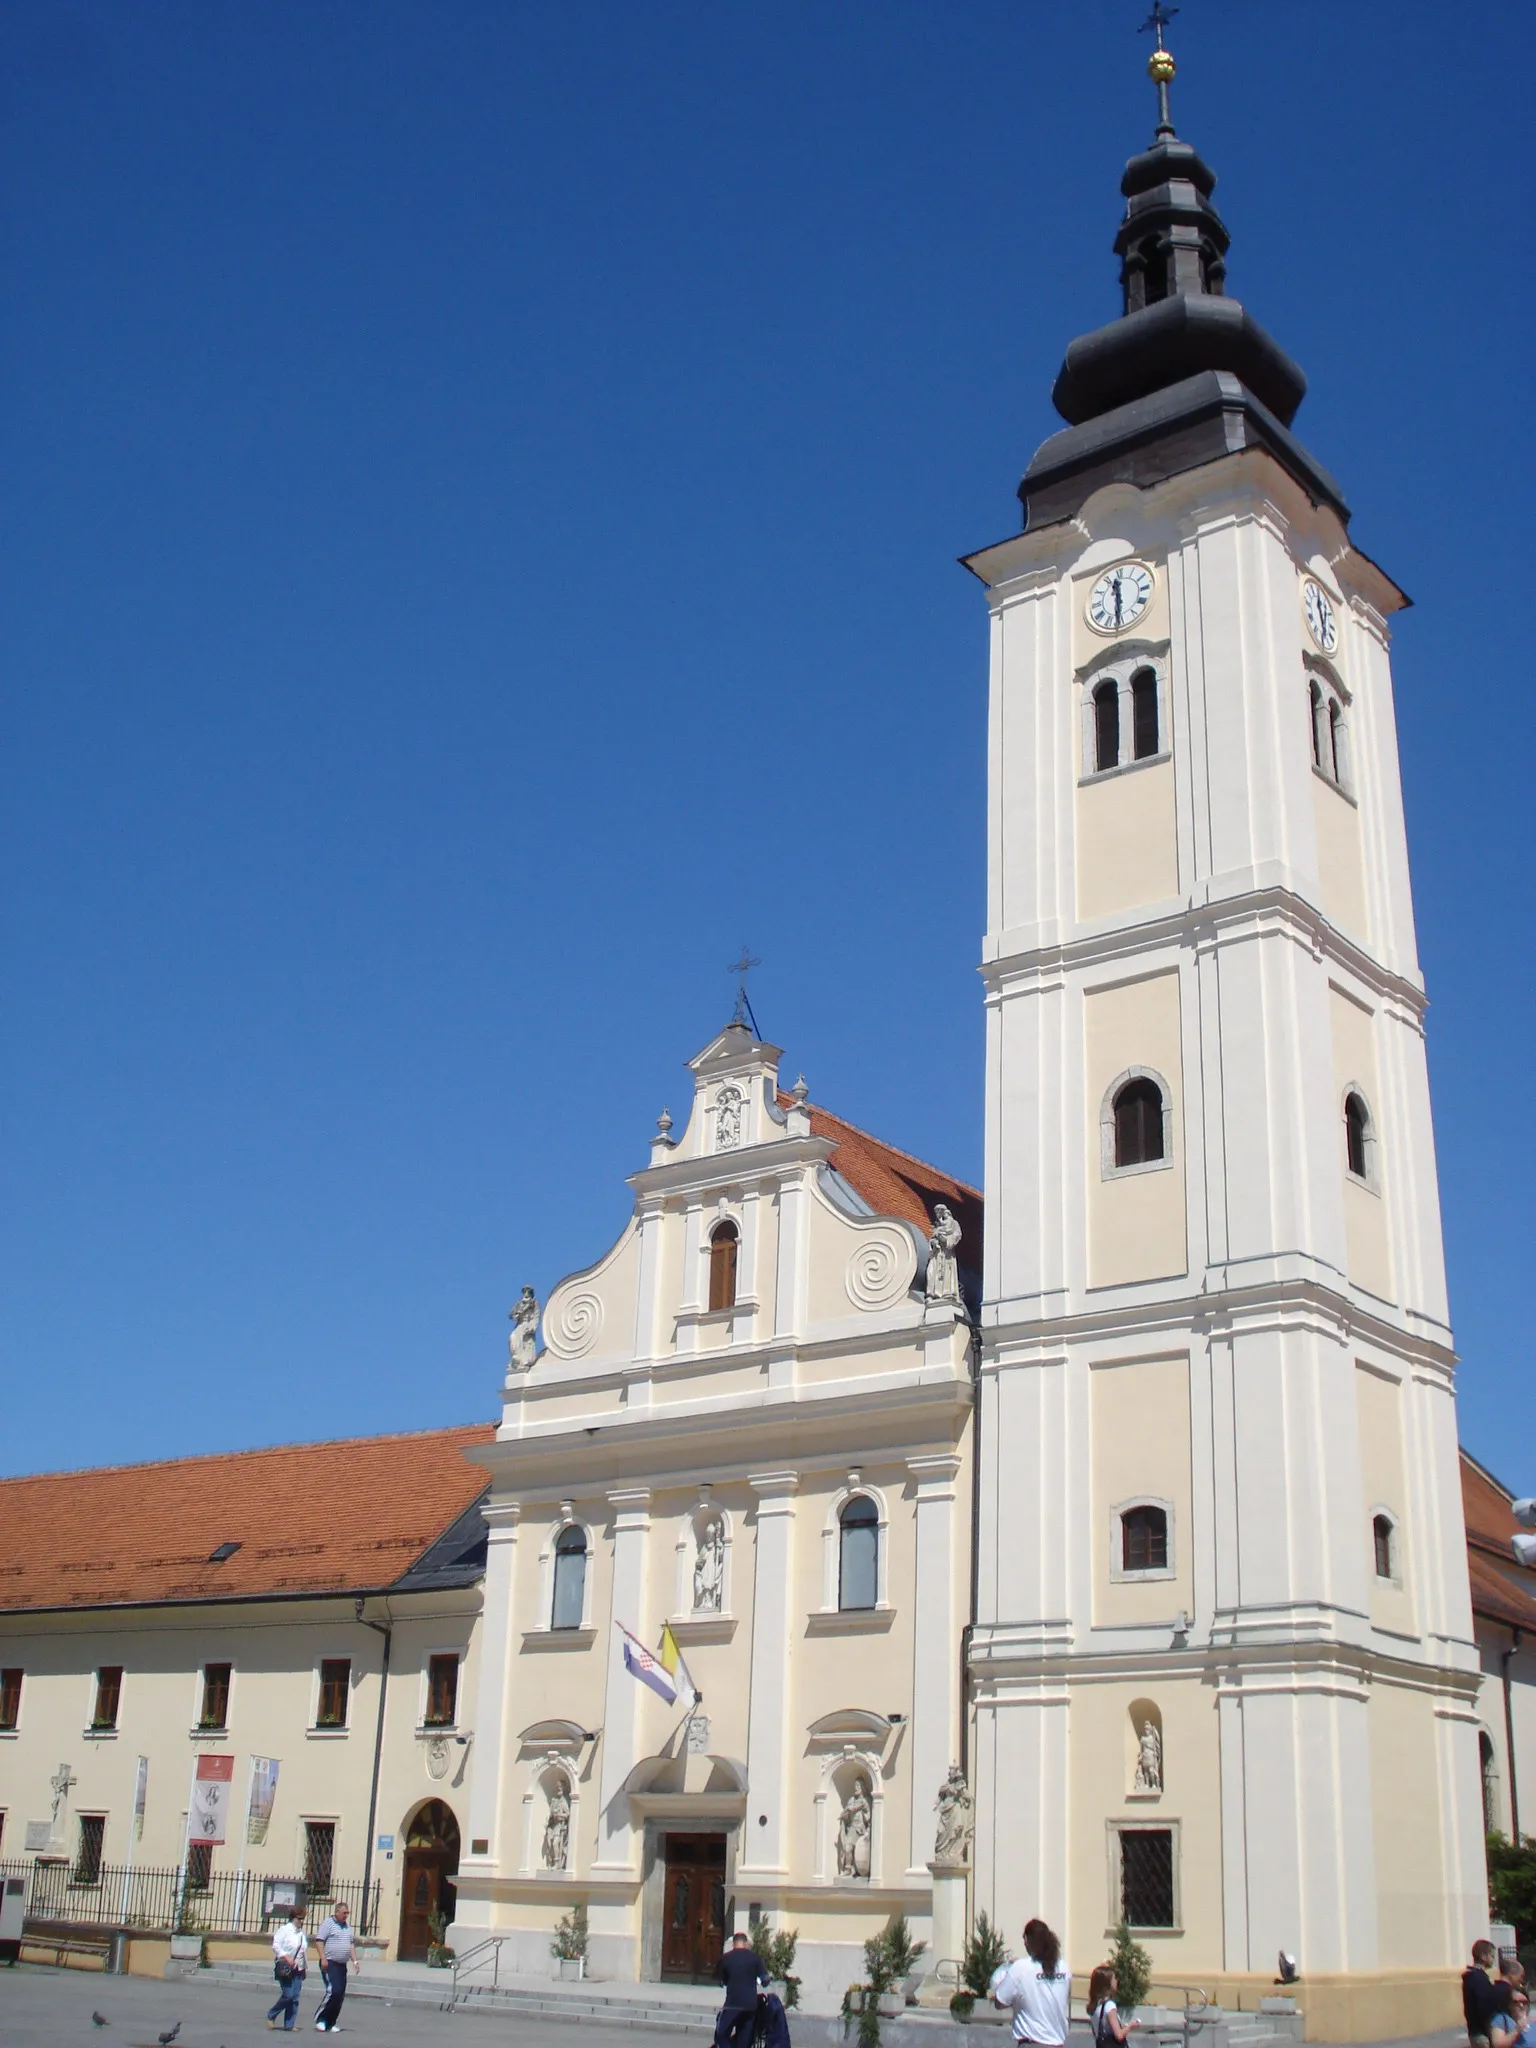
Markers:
{"x": 263, "y": 1792}
{"x": 140, "y": 1787}
{"x": 208, "y": 1813}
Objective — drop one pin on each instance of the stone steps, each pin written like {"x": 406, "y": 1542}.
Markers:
{"x": 582, "y": 2001}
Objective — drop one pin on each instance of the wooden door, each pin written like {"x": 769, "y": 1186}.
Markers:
{"x": 426, "y": 1884}
{"x": 693, "y": 1926}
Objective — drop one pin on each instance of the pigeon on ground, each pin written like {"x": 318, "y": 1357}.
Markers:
{"x": 167, "y": 2038}
{"x": 98, "y": 2019}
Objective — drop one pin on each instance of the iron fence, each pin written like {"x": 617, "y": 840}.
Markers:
{"x": 153, "y": 1901}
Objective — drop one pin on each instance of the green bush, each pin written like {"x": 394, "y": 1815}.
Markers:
{"x": 960, "y": 2005}
{"x": 901, "y": 1950}
{"x": 1133, "y": 1969}
{"x": 1512, "y": 1884}
{"x": 570, "y": 1942}
{"x": 985, "y": 1952}
{"x": 777, "y": 1955}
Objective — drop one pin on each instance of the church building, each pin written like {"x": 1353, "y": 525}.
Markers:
{"x": 850, "y": 1553}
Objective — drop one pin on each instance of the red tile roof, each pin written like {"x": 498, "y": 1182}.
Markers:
{"x": 895, "y": 1184}
{"x": 1502, "y": 1590}
{"x": 344, "y": 1517}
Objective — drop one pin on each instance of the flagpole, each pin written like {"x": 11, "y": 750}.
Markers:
{"x": 181, "y": 1875}
{"x": 245, "y": 1835}
{"x": 133, "y": 1822}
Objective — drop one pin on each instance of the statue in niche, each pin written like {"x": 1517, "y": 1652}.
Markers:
{"x": 943, "y": 1270}
{"x": 953, "y": 1842}
{"x": 557, "y": 1829}
{"x": 853, "y": 1830}
{"x": 709, "y": 1568}
{"x": 1149, "y": 1759}
{"x": 728, "y": 1119}
{"x": 523, "y": 1344}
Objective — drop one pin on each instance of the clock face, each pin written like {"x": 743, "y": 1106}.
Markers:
{"x": 1322, "y": 619}
{"x": 1119, "y": 597}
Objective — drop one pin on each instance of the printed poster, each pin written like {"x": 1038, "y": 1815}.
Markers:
{"x": 208, "y": 1819}
{"x": 263, "y": 1792}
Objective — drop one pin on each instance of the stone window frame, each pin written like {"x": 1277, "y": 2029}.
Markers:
{"x": 1118, "y": 1575}
{"x": 430, "y": 1652}
{"x": 1370, "y": 1180}
{"x": 831, "y": 1551}
{"x": 1164, "y": 1824}
{"x": 1330, "y": 718}
{"x": 1119, "y": 668}
{"x": 1108, "y": 1170}
{"x": 1379, "y": 1511}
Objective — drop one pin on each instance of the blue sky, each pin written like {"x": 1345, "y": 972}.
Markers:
{"x": 484, "y": 486}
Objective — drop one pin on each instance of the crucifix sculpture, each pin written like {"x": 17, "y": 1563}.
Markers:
{"x": 741, "y": 969}
{"x": 62, "y": 1781}
{"x": 1160, "y": 63}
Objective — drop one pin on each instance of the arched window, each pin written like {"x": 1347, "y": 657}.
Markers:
{"x": 1381, "y": 1539}
{"x": 1138, "y": 1123}
{"x": 1357, "y": 1131}
{"x": 570, "y": 1578}
{"x": 1144, "y": 1540}
{"x": 1106, "y": 725}
{"x": 1490, "y": 1765}
{"x": 858, "y": 1575}
{"x": 1144, "y": 713}
{"x": 724, "y": 1240}
{"x": 1316, "y": 716}
{"x": 1336, "y": 755}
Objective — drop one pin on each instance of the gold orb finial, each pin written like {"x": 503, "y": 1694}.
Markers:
{"x": 1160, "y": 66}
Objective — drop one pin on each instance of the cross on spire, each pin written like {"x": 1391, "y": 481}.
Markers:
{"x": 741, "y": 969}
{"x": 1160, "y": 63}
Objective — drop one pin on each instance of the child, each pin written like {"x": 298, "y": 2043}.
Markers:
{"x": 1109, "y": 2030}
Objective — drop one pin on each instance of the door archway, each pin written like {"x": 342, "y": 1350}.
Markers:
{"x": 427, "y": 1889}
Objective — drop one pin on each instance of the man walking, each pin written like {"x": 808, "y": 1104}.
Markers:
{"x": 290, "y": 1945}
{"x": 333, "y": 1940}
{"x": 741, "y": 1972}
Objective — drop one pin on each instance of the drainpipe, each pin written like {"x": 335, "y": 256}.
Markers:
{"x": 1506, "y": 1657}
{"x": 970, "y": 1627}
{"x": 384, "y": 1628}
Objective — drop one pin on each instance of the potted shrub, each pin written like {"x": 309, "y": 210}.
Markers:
{"x": 778, "y": 1957}
{"x": 984, "y": 1955}
{"x": 904, "y": 1954}
{"x": 569, "y": 1947}
{"x": 439, "y": 1954}
{"x": 880, "y": 1973}
{"x": 1133, "y": 1971}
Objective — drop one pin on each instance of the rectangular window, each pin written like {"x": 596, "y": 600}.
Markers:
{"x": 93, "y": 1829}
{"x": 215, "y": 1713}
{"x": 335, "y": 1682}
{"x": 10, "y": 1696}
{"x": 109, "y": 1694}
{"x": 319, "y": 1856}
{"x": 442, "y": 1691}
{"x": 199, "y": 1865}
{"x": 1146, "y": 1877}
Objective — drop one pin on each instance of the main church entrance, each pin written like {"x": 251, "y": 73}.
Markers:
{"x": 427, "y": 1889}
{"x": 693, "y": 1918}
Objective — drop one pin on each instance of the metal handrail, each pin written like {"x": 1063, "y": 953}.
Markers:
{"x": 470, "y": 1959}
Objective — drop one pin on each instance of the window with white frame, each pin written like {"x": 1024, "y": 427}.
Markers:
{"x": 1125, "y": 717}
{"x": 1328, "y": 720}
{"x": 1136, "y": 1123}
{"x": 570, "y": 1577}
{"x": 858, "y": 1555}
{"x": 1359, "y": 1137}
{"x": 1141, "y": 1539}
{"x": 1384, "y": 1555}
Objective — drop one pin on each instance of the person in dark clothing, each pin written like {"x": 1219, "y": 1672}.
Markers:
{"x": 741, "y": 1972}
{"x": 775, "y": 2021}
{"x": 1481, "y": 1998}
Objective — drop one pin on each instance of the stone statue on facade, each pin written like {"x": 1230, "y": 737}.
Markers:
{"x": 853, "y": 1830}
{"x": 1149, "y": 1759}
{"x": 952, "y": 1844}
{"x": 557, "y": 1830}
{"x": 709, "y": 1568}
{"x": 728, "y": 1104}
{"x": 943, "y": 1270}
{"x": 523, "y": 1344}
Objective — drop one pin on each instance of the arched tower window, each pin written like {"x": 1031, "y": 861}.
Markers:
{"x": 724, "y": 1242}
{"x": 570, "y": 1578}
{"x": 858, "y": 1575}
{"x": 1106, "y": 725}
{"x": 1315, "y": 710}
{"x": 1357, "y": 1131}
{"x": 1138, "y": 1123}
{"x": 1144, "y": 714}
{"x": 1144, "y": 1540}
{"x": 1490, "y": 1775}
{"x": 1382, "y": 1542}
{"x": 1337, "y": 758}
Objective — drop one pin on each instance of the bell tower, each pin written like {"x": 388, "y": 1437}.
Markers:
{"x": 1222, "y": 1676}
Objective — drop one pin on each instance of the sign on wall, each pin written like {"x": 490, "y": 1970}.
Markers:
{"x": 208, "y": 1815}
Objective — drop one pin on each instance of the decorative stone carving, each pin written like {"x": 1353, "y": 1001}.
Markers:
{"x": 709, "y": 1567}
{"x": 853, "y": 1832}
{"x": 881, "y": 1267}
{"x": 1149, "y": 1759}
{"x": 438, "y": 1758}
{"x": 943, "y": 1270}
{"x": 557, "y": 1829}
{"x": 698, "y": 1734}
{"x": 952, "y": 1843}
{"x": 523, "y": 1344}
{"x": 573, "y": 1323}
{"x": 728, "y": 1119}
{"x": 62, "y": 1782}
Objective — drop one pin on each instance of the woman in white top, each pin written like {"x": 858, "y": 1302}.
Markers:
{"x": 1109, "y": 2030}
{"x": 1038, "y": 1987}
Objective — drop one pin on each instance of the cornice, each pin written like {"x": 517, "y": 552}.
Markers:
{"x": 709, "y": 1170}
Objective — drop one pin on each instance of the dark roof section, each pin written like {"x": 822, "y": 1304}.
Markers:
{"x": 356, "y": 1516}
{"x": 1502, "y": 1591}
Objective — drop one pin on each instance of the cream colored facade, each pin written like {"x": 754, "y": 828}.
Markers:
{"x": 650, "y": 1422}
